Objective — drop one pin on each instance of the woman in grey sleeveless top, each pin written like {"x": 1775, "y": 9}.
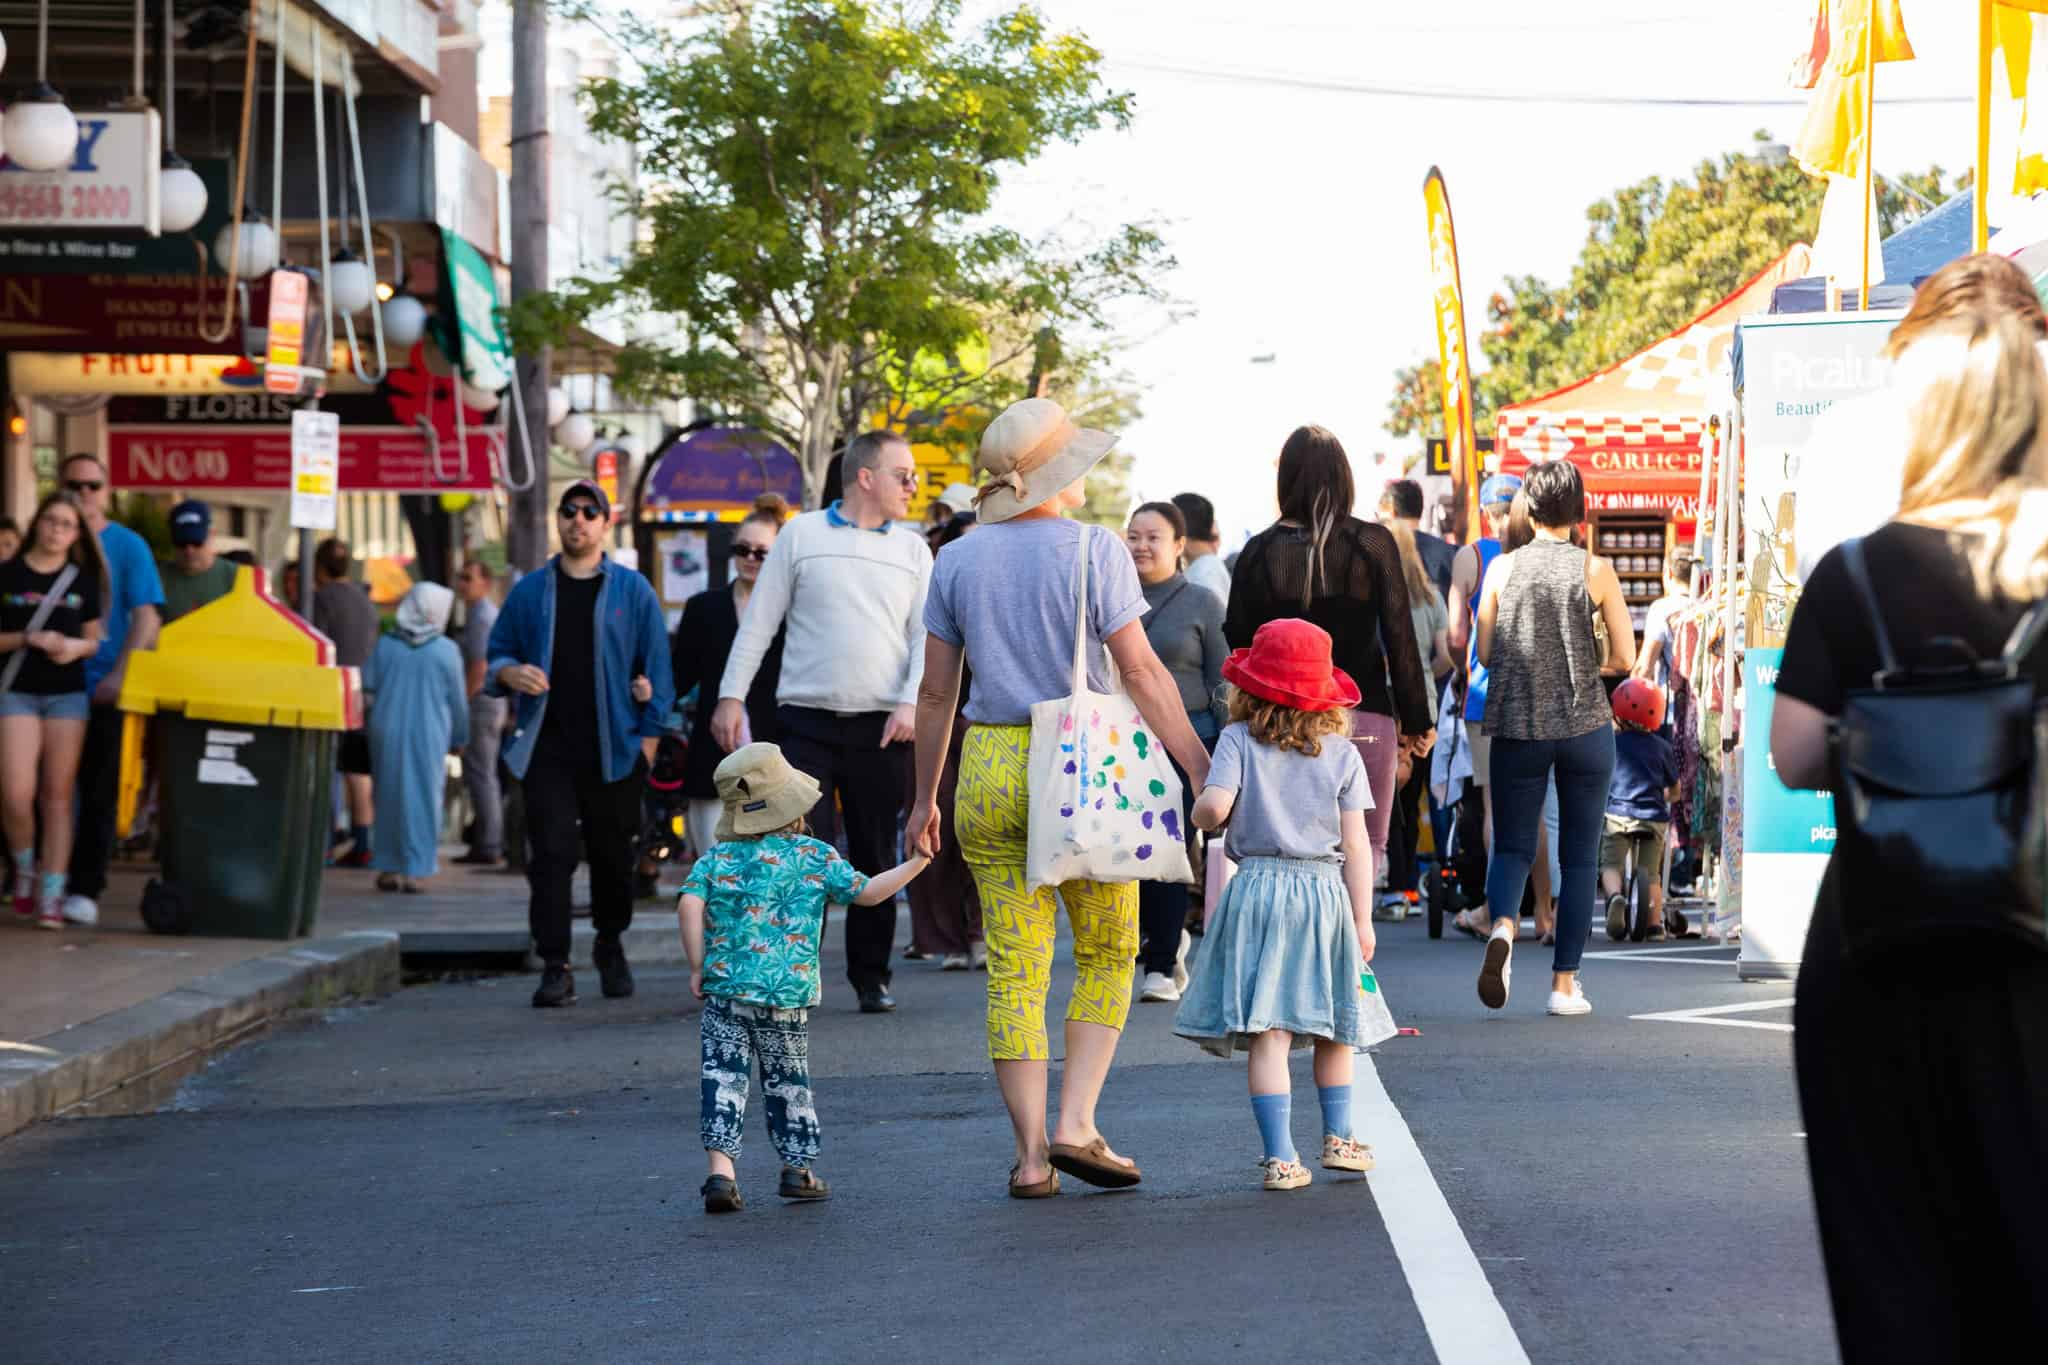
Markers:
{"x": 1547, "y": 713}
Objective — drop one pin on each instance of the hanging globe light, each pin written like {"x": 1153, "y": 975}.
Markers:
{"x": 405, "y": 321}
{"x": 259, "y": 246}
{"x": 576, "y": 433}
{"x": 350, "y": 283}
{"x": 182, "y": 194}
{"x": 41, "y": 132}
{"x": 558, "y": 405}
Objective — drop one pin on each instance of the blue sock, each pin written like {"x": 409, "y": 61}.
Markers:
{"x": 1272, "y": 1112}
{"x": 1336, "y": 1102}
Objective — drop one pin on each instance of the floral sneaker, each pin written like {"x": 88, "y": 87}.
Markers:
{"x": 1283, "y": 1175}
{"x": 1345, "y": 1154}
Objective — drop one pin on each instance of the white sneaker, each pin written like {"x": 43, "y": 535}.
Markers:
{"x": 1494, "y": 972}
{"x": 81, "y": 910}
{"x": 1159, "y": 989}
{"x": 1570, "y": 1004}
{"x": 1180, "y": 962}
{"x": 953, "y": 962}
{"x": 977, "y": 957}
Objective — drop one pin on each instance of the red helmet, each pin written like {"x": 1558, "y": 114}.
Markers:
{"x": 1640, "y": 702}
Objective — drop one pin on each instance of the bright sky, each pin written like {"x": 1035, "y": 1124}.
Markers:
{"x": 1296, "y": 212}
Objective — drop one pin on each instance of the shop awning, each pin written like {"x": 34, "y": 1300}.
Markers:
{"x": 1636, "y": 428}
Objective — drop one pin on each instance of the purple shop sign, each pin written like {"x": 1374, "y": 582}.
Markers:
{"x": 720, "y": 469}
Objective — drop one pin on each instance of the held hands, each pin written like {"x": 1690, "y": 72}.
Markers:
{"x": 523, "y": 678}
{"x": 49, "y": 642}
{"x": 922, "y": 829}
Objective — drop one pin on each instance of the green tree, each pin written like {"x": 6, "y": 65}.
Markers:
{"x": 1656, "y": 256}
{"x": 813, "y": 184}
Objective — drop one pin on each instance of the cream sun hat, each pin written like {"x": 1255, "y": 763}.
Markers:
{"x": 1031, "y": 452}
{"x": 761, "y": 791}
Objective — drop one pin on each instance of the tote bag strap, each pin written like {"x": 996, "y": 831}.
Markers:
{"x": 1081, "y": 621}
{"x": 36, "y": 623}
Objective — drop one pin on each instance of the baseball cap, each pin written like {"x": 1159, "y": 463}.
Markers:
{"x": 590, "y": 489}
{"x": 190, "y": 522}
{"x": 1499, "y": 490}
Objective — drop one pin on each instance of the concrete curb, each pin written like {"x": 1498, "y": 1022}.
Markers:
{"x": 132, "y": 1059}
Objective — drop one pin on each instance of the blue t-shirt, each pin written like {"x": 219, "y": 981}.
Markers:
{"x": 1644, "y": 767}
{"x": 135, "y": 584}
{"x": 1475, "y": 689}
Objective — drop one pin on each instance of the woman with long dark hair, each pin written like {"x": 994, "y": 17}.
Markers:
{"x": 43, "y": 702}
{"x": 1323, "y": 565}
{"x": 1547, "y": 714}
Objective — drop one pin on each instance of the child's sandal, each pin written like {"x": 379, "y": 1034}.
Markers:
{"x": 722, "y": 1195}
{"x": 804, "y": 1184}
{"x": 1345, "y": 1154}
{"x": 1284, "y": 1175}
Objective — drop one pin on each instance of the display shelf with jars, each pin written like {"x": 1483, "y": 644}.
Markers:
{"x": 1635, "y": 545}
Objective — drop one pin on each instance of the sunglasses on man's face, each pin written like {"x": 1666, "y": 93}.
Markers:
{"x": 83, "y": 485}
{"x": 589, "y": 511}
{"x": 750, "y": 552}
{"x": 906, "y": 478}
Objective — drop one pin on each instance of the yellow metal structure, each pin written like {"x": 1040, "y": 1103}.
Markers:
{"x": 246, "y": 660}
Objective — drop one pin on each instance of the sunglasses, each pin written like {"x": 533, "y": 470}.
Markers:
{"x": 83, "y": 485}
{"x": 905, "y": 479}
{"x": 749, "y": 552}
{"x": 589, "y": 511}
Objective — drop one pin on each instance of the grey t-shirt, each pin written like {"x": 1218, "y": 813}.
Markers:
{"x": 1288, "y": 804}
{"x": 1429, "y": 616}
{"x": 476, "y": 630}
{"x": 1005, "y": 594}
{"x": 343, "y": 612}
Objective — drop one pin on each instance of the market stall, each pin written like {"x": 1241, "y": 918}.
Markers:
{"x": 1638, "y": 430}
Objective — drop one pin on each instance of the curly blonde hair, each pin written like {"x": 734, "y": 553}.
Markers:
{"x": 1285, "y": 727}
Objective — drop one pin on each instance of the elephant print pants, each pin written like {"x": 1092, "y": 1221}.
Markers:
{"x": 736, "y": 1036}
{"x": 993, "y": 817}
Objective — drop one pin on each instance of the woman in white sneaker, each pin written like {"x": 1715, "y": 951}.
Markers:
{"x": 1184, "y": 622}
{"x": 1547, "y": 714}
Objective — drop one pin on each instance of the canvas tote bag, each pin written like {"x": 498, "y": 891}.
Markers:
{"x": 1105, "y": 802}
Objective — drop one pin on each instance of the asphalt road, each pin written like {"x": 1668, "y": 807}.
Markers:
{"x": 451, "y": 1175}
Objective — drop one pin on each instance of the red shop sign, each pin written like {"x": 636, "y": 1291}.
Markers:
{"x": 259, "y": 458}
{"x": 118, "y": 314}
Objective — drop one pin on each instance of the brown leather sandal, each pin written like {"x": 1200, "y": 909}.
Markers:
{"x": 1039, "y": 1189}
{"x": 1094, "y": 1165}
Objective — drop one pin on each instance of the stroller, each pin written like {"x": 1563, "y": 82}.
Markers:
{"x": 1458, "y": 881}
{"x": 663, "y": 807}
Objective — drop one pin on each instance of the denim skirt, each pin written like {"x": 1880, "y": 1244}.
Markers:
{"x": 1281, "y": 951}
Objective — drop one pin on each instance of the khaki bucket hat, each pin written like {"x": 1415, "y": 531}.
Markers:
{"x": 1029, "y": 453}
{"x": 761, "y": 791}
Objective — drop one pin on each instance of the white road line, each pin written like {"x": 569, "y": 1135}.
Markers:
{"x": 1466, "y": 1324}
{"x": 1713, "y": 1015}
{"x": 1642, "y": 958}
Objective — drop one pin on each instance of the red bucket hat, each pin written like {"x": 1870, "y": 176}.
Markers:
{"x": 1289, "y": 663}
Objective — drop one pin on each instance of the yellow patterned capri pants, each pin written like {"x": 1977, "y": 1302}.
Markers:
{"x": 992, "y": 817}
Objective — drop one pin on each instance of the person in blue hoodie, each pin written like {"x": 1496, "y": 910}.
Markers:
{"x": 582, "y": 647}
{"x": 1639, "y": 799}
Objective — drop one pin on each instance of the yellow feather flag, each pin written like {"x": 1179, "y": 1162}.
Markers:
{"x": 2017, "y": 28}
{"x": 1832, "y": 140}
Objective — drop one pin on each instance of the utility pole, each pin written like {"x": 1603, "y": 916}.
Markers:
{"x": 526, "y": 531}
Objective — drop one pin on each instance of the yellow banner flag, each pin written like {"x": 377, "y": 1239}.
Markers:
{"x": 1453, "y": 356}
{"x": 2016, "y": 30}
{"x": 1832, "y": 139}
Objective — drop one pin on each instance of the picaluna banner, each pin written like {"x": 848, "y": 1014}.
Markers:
{"x": 1452, "y": 354}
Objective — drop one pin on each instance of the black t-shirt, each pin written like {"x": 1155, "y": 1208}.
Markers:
{"x": 1924, "y": 580}
{"x": 21, "y": 591}
{"x": 568, "y": 734}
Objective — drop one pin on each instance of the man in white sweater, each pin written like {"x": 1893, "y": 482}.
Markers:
{"x": 850, "y": 586}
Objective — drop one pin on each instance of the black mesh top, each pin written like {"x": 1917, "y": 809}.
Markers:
{"x": 1361, "y": 587}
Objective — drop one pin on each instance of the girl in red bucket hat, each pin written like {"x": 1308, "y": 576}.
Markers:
{"x": 1282, "y": 964}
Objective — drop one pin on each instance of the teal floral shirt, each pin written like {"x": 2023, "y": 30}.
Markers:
{"x": 764, "y": 914}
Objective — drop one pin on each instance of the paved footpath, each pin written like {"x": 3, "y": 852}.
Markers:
{"x": 451, "y": 1175}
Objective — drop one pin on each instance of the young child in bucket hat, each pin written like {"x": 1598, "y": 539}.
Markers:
{"x": 1282, "y": 964}
{"x": 753, "y": 916}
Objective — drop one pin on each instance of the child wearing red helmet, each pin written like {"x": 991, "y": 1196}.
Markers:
{"x": 1639, "y": 798}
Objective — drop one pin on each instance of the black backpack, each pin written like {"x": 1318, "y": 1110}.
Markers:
{"x": 1940, "y": 812}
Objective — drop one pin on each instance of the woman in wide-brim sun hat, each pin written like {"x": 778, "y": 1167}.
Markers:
{"x": 1002, "y": 600}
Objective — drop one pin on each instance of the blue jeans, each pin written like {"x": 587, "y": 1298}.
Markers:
{"x": 1522, "y": 773}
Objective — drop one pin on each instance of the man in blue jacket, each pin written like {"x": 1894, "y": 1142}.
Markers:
{"x": 583, "y": 649}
